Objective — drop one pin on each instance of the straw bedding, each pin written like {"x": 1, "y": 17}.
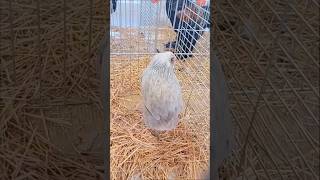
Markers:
{"x": 40, "y": 83}
{"x": 135, "y": 153}
{"x": 45, "y": 90}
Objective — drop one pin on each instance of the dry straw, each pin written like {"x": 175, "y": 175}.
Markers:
{"x": 42, "y": 73}
{"x": 135, "y": 153}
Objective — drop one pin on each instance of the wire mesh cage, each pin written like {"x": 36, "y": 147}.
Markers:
{"x": 269, "y": 50}
{"x": 138, "y": 29}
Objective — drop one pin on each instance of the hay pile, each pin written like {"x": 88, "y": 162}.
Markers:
{"x": 43, "y": 81}
{"x": 180, "y": 154}
{"x": 290, "y": 101}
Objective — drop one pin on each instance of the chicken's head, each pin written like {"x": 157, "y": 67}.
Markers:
{"x": 164, "y": 59}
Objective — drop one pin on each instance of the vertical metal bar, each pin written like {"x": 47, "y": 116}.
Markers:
{"x": 121, "y": 10}
{"x": 157, "y": 24}
{"x": 131, "y": 36}
{"x": 139, "y": 30}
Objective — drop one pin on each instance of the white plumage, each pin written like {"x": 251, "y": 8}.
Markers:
{"x": 161, "y": 91}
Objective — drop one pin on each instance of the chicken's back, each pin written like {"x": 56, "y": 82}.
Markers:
{"x": 162, "y": 100}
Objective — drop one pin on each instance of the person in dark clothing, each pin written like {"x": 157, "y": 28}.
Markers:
{"x": 113, "y": 6}
{"x": 188, "y": 21}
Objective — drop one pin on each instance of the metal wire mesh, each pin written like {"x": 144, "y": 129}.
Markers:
{"x": 139, "y": 28}
{"x": 270, "y": 54}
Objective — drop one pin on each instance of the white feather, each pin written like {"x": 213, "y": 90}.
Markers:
{"x": 161, "y": 91}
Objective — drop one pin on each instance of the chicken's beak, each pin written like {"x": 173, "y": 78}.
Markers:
{"x": 173, "y": 59}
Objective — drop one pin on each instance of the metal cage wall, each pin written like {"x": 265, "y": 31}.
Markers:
{"x": 140, "y": 28}
{"x": 270, "y": 55}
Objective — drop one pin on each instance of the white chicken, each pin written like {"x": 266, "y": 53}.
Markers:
{"x": 161, "y": 91}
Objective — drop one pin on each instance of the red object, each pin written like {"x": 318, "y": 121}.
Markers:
{"x": 201, "y": 2}
{"x": 155, "y": 1}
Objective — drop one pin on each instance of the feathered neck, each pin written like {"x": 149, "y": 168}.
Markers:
{"x": 162, "y": 69}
